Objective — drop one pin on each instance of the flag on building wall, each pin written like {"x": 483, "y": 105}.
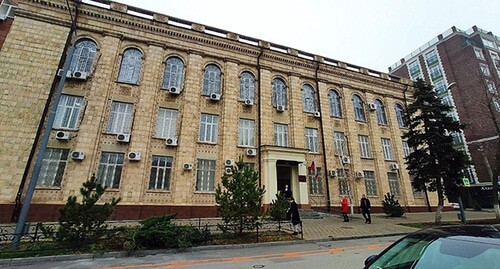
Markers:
{"x": 314, "y": 171}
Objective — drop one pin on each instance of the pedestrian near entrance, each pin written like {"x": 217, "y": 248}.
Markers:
{"x": 288, "y": 192}
{"x": 366, "y": 208}
{"x": 345, "y": 209}
{"x": 293, "y": 211}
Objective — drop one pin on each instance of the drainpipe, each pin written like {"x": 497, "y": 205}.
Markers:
{"x": 17, "y": 206}
{"x": 259, "y": 118}
{"x": 56, "y": 93}
{"x": 328, "y": 205}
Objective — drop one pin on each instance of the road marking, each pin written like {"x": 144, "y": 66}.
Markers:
{"x": 286, "y": 255}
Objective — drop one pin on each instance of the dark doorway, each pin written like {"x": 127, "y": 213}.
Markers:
{"x": 283, "y": 174}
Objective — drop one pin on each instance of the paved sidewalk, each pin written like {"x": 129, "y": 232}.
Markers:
{"x": 332, "y": 226}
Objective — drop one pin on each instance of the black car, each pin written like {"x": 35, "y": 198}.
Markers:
{"x": 445, "y": 247}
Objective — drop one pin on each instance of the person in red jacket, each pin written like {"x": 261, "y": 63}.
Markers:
{"x": 345, "y": 209}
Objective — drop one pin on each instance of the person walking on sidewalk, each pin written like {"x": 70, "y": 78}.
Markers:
{"x": 345, "y": 209}
{"x": 293, "y": 211}
{"x": 366, "y": 208}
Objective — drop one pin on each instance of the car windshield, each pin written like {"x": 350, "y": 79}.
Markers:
{"x": 427, "y": 252}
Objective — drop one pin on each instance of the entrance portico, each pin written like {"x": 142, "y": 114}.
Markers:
{"x": 284, "y": 166}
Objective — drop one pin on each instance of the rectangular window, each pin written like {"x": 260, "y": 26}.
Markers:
{"x": 439, "y": 86}
{"x": 387, "y": 149}
{"x": 436, "y": 73}
{"x": 370, "y": 183}
{"x": 431, "y": 58}
{"x": 485, "y": 69}
{"x": 406, "y": 149}
{"x": 110, "y": 169}
{"x": 343, "y": 177}
{"x": 68, "y": 112}
{"x": 281, "y": 135}
{"x": 491, "y": 87}
{"x": 120, "y": 118}
{"x": 340, "y": 144}
{"x": 53, "y": 165}
{"x": 414, "y": 69}
{"x": 161, "y": 173}
{"x": 364, "y": 146}
{"x": 166, "y": 124}
{"x": 209, "y": 125}
{"x": 479, "y": 53}
{"x": 312, "y": 140}
{"x": 315, "y": 181}
{"x": 246, "y": 134}
{"x": 488, "y": 43}
{"x": 205, "y": 175}
{"x": 393, "y": 183}
{"x": 416, "y": 193}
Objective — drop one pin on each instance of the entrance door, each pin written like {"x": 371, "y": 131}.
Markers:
{"x": 284, "y": 175}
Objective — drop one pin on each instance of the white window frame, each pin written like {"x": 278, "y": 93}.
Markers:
{"x": 381, "y": 116}
{"x": 315, "y": 181}
{"x": 485, "y": 70}
{"x": 400, "y": 115}
{"x": 312, "y": 143}
{"x": 364, "y": 146}
{"x": 343, "y": 181}
{"x": 205, "y": 175}
{"x": 359, "y": 108}
{"x": 247, "y": 86}
{"x": 166, "y": 123}
{"x": 83, "y": 55}
{"x": 370, "y": 183}
{"x": 212, "y": 80}
{"x": 246, "y": 134}
{"x": 173, "y": 75}
{"x": 130, "y": 67}
{"x": 406, "y": 149}
{"x": 335, "y": 104}
{"x": 281, "y": 135}
{"x": 160, "y": 175}
{"x": 435, "y": 73}
{"x": 340, "y": 144}
{"x": 479, "y": 53}
{"x": 308, "y": 100}
{"x": 209, "y": 128}
{"x": 110, "y": 169}
{"x": 394, "y": 188}
{"x": 120, "y": 118}
{"x": 387, "y": 149}
{"x": 53, "y": 165}
{"x": 279, "y": 93}
{"x": 68, "y": 112}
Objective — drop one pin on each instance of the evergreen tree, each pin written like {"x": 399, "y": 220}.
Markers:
{"x": 239, "y": 199}
{"x": 434, "y": 161}
{"x": 82, "y": 224}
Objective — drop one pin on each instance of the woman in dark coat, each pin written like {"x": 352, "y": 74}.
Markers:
{"x": 293, "y": 211}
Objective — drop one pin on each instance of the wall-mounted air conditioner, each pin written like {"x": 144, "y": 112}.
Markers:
{"x": 251, "y": 152}
{"x": 61, "y": 135}
{"x": 359, "y": 174}
{"x": 228, "y": 171}
{"x": 394, "y": 166}
{"x": 317, "y": 114}
{"x": 171, "y": 142}
{"x": 68, "y": 73}
{"x": 249, "y": 102}
{"x": 188, "y": 166}
{"x": 80, "y": 75}
{"x": 134, "y": 156}
{"x": 332, "y": 173}
{"x": 372, "y": 106}
{"x": 175, "y": 91}
{"x": 123, "y": 138}
{"x": 229, "y": 162}
{"x": 215, "y": 97}
{"x": 77, "y": 155}
{"x": 346, "y": 160}
{"x": 280, "y": 108}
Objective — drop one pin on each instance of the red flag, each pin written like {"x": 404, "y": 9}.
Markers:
{"x": 313, "y": 169}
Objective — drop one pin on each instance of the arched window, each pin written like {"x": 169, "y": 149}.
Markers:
{"x": 400, "y": 115}
{"x": 279, "y": 93}
{"x": 335, "y": 108}
{"x": 211, "y": 80}
{"x": 381, "y": 118}
{"x": 247, "y": 86}
{"x": 174, "y": 73}
{"x": 308, "y": 102}
{"x": 83, "y": 56}
{"x": 130, "y": 68}
{"x": 359, "y": 109}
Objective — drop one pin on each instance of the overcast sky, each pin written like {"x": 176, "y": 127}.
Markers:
{"x": 369, "y": 33}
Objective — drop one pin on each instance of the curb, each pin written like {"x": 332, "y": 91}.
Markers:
{"x": 142, "y": 253}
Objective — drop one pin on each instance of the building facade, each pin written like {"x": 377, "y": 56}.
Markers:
{"x": 464, "y": 67}
{"x": 158, "y": 107}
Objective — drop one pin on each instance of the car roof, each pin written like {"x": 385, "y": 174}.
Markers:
{"x": 462, "y": 231}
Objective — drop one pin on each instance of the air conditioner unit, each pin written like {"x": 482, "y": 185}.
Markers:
{"x": 215, "y": 97}
{"x": 251, "y": 152}
{"x": 359, "y": 174}
{"x": 80, "y": 75}
{"x": 394, "y": 166}
{"x": 134, "y": 156}
{"x": 60, "y": 135}
{"x": 372, "y": 106}
{"x": 249, "y": 102}
{"x": 123, "y": 138}
{"x": 317, "y": 114}
{"x": 188, "y": 166}
{"x": 280, "y": 108}
{"x": 171, "y": 142}
{"x": 332, "y": 173}
{"x": 228, "y": 171}
{"x": 229, "y": 162}
{"x": 175, "y": 90}
{"x": 77, "y": 155}
{"x": 60, "y": 72}
{"x": 346, "y": 160}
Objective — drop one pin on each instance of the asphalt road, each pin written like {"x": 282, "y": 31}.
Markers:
{"x": 332, "y": 254}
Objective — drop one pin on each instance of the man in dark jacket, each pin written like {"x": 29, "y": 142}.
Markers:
{"x": 365, "y": 209}
{"x": 293, "y": 211}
